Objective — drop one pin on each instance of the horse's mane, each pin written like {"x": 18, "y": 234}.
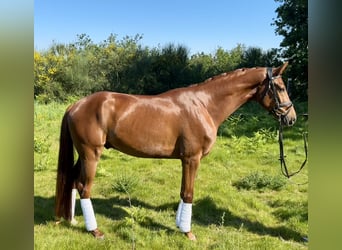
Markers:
{"x": 229, "y": 73}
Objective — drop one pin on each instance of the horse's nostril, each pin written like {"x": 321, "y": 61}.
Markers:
{"x": 292, "y": 121}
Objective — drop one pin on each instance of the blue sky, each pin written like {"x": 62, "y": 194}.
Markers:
{"x": 202, "y": 26}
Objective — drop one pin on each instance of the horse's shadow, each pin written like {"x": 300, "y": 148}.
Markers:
{"x": 205, "y": 212}
{"x": 112, "y": 208}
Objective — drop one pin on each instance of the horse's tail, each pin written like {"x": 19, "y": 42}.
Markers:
{"x": 65, "y": 172}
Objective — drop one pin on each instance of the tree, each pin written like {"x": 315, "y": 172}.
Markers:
{"x": 227, "y": 60}
{"x": 47, "y": 67}
{"x": 116, "y": 58}
{"x": 292, "y": 24}
{"x": 255, "y": 56}
{"x": 252, "y": 57}
{"x": 201, "y": 67}
{"x": 139, "y": 76}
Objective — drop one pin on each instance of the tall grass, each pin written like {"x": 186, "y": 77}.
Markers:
{"x": 241, "y": 199}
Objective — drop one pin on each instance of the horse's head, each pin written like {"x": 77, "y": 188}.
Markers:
{"x": 273, "y": 96}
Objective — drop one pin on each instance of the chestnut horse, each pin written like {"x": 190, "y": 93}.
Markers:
{"x": 180, "y": 124}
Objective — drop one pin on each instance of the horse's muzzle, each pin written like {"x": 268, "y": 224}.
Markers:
{"x": 288, "y": 120}
{"x": 289, "y": 117}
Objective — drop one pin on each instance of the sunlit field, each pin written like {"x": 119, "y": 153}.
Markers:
{"x": 241, "y": 200}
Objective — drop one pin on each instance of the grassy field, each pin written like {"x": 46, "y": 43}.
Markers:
{"x": 241, "y": 199}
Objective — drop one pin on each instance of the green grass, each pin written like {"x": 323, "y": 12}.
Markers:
{"x": 241, "y": 199}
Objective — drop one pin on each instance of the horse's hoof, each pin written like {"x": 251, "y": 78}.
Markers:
{"x": 190, "y": 236}
{"x": 73, "y": 222}
{"x": 97, "y": 234}
{"x": 60, "y": 220}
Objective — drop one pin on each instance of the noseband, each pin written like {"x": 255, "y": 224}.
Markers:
{"x": 277, "y": 109}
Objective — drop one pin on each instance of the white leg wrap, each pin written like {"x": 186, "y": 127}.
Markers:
{"x": 178, "y": 214}
{"x": 185, "y": 218}
{"x": 73, "y": 203}
{"x": 88, "y": 214}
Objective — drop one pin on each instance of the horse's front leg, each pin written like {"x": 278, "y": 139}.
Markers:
{"x": 184, "y": 212}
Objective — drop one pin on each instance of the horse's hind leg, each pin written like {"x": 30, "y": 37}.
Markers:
{"x": 73, "y": 204}
{"x": 77, "y": 169}
{"x": 84, "y": 185}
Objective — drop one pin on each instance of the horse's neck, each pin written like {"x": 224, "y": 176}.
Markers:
{"x": 228, "y": 93}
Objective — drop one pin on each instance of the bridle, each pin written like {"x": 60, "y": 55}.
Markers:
{"x": 280, "y": 109}
{"x": 281, "y": 113}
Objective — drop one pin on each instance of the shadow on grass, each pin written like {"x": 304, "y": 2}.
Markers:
{"x": 205, "y": 212}
{"x": 44, "y": 210}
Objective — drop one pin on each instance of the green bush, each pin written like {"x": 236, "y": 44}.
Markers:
{"x": 125, "y": 184}
{"x": 257, "y": 180}
{"x": 41, "y": 145}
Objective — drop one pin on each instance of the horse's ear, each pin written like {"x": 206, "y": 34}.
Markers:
{"x": 280, "y": 69}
